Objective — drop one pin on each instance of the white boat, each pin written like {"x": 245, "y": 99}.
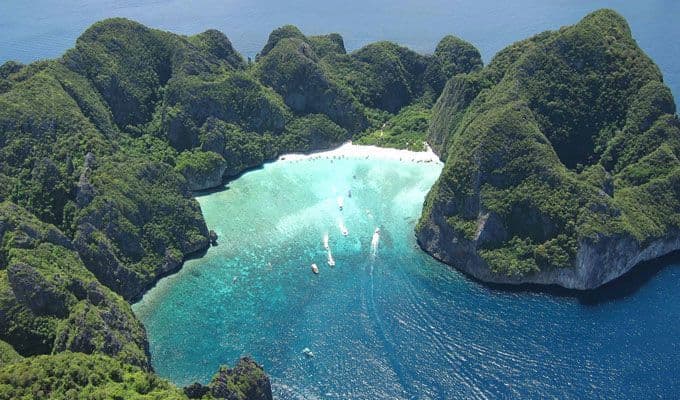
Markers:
{"x": 375, "y": 240}
{"x": 315, "y": 269}
{"x": 331, "y": 261}
{"x": 340, "y": 202}
{"x": 325, "y": 241}
{"x": 307, "y": 352}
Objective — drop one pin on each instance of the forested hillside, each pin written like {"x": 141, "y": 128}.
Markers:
{"x": 561, "y": 161}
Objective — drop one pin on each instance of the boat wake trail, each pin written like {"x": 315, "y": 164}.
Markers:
{"x": 343, "y": 228}
{"x": 403, "y": 376}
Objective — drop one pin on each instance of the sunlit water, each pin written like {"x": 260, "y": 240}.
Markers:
{"x": 390, "y": 322}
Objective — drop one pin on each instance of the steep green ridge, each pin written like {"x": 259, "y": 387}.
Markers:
{"x": 101, "y": 149}
{"x": 561, "y": 161}
{"x": 49, "y": 301}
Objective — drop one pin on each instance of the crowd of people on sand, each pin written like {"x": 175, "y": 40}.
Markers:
{"x": 352, "y": 151}
{"x": 341, "y": 157}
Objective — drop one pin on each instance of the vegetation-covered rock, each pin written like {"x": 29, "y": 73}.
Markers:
{"x": 49, "y": 301}
{"x": 72, "y": 376}
{"x": 324, "y": 45}
{"x": 202, "y": 169}
{"x": 449, "y": 110}
{"x": 139, "y": 226}
{"x": 561, "y": 161}
{"x": 293, "y": 70}
{"x": 218, "y": 45}
{"x": 233, "y": 97}
{"x": 314, "y": 132}
{"x": 241, "y": 150}
{"x": 456, "y": 56}
{"x": 246, "y": 381}
{"x": 127, "y": 63}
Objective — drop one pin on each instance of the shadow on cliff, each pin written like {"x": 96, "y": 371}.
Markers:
{"x": 622, "y": 287}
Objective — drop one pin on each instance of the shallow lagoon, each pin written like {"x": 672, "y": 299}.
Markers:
{"x": 391, "y": 323}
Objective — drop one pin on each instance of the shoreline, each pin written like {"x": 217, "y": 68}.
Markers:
{"x": 346, "y": 150}
{"x": 351, "y": 150}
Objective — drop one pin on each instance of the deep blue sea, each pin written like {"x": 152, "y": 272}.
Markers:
{"x": 35, "y": 29}
{"x": 387, "y": 322}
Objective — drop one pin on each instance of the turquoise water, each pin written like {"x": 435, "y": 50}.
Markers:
{"x": 45, "y": 28}
{"x": 390, "y": 322}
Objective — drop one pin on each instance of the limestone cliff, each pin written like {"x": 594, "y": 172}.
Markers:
{"x": 561, "y": 161}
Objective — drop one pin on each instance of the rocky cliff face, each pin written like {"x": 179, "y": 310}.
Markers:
{"x": 597, "y": 261}
{"x": 49, "y": 301}
{"x": 117, "y": 232}
{"x": 562, "y": 161}
{"x": 448, "y": 112}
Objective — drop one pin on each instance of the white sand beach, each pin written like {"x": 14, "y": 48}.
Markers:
{"x": 350, "y": 150}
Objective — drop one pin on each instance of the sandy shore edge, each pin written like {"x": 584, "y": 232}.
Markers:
{"x": 350, "y": 150}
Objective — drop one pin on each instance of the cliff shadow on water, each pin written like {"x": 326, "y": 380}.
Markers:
{"x": 228, "y": 178}
{"x": 205, "y": 192}
{"x": 625, "y": 286}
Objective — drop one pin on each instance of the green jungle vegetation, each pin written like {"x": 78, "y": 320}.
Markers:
{"x": 567, "y": 137}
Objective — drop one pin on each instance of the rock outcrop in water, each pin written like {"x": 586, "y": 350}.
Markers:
{"x": 561, "y": 161}
{"x": 246, "y": 381}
